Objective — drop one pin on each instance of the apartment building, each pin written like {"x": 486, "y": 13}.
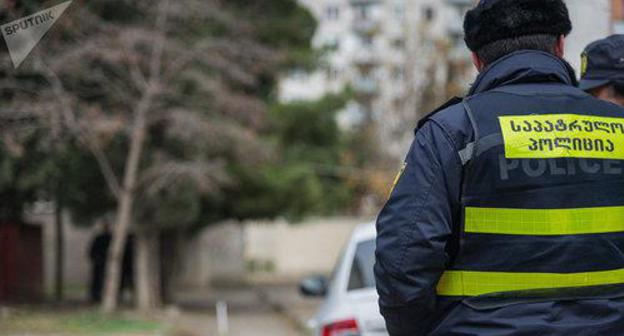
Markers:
{"x": 386, "y": 51}
{"x": 591, "y": 20}
{"x": 402, "y": 57}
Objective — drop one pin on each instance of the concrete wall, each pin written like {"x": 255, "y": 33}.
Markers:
{"x": 214, "y": 254}
{"x": 228, "y": 251}
{"x": 77, "y": 241}
{"x": 295, "y": 250}
{"x": 271, "y": 250}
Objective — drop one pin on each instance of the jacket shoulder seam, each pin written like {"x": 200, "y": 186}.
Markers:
{"x": 419, "y": 203}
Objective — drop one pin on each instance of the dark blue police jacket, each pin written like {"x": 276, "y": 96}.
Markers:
{"x": 508, "y": 217}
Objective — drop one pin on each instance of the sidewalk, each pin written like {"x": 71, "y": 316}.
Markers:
{"x": 287, "y": 300}
{"x": 275, "y": 310}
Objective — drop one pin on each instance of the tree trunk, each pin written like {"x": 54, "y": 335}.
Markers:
{"x": 147, "y": 271}
{"x": 128, "y": 190}
{"x": 59, "y": 255}
{"x": 124, "y": 212}
{"x": 116, "y": 251}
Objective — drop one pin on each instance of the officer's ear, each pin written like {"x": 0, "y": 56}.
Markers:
{"x": 478, "y": 63}
{"x": 560, "y": 47}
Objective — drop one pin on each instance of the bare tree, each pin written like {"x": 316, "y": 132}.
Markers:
{"x": 109, "y": 83}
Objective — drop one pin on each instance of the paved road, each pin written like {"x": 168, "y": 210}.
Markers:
{"x": 259, "y": 311}
{"x": 241, "y": 324}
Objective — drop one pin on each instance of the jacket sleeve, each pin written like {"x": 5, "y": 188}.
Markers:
{"x": 413, "y": 230}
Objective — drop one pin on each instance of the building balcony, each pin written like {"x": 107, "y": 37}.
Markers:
{"x": 461, "y": 3}
{"x": 365, "y": 87}
{"x": 366, "y": 58}
{"x": 366, "y": 26}
{"x": 364, "y": 2}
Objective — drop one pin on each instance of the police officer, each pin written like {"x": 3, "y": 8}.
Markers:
{"x": 508, "y": 217}
{"x": 602, "y": 73}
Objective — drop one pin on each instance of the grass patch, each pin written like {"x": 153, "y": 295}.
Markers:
{"x": 75, "y": 323}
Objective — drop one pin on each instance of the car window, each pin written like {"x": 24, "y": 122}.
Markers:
{"x": 361, "y": 275}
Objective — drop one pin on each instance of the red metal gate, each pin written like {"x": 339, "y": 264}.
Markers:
{"x": 21, "y": 266}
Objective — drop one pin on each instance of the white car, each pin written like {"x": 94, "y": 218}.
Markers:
{"x": 350, "y": 307}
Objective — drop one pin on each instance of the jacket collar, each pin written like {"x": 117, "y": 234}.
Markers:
{"x": 522, "y": 67}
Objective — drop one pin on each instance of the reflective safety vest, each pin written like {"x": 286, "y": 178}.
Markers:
{"x": 543, "y": 197}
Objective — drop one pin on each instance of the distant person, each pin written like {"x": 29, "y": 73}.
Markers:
{"x": 98, "y": 254}
{"x": 508, "y": 216}
{"x": 127, "y": 269}
{"x": 602, "y": 73}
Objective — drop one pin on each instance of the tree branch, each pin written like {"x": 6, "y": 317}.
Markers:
{"x": 70, "y": 120}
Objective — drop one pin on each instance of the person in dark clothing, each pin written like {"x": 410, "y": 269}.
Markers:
{"x": 127, "y": 268}
{"x": 508, "y": 216}
{"x": 602, "y": 73}
{"x": 98, "y": 256}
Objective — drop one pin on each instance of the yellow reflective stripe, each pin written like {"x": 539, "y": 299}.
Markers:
{"x": 397, "y": 178}
{"x": 545, "y": 222}
{"x": 562, "y": 135}
{"x": 468, "y": 283}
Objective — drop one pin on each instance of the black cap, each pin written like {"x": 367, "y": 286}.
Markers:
{"x": 602, "y": 63}
{"x": 493, "y": 20}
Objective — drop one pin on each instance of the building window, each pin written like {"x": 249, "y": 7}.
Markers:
{"x": 398, "y": 43}
{"x": 367, "y": 41}
{"x": 398, "y": 72}
{"x": 398, "y": 104}
{"x": 399, "y": 9}
{"x": 362, "y": 12}
{"x": 429, "y": 14}
{"x": 332, "y": 44}
{"x": 332, "y": 12}
{"x": 332, "y": 73}
{"x": 298, "y": 74}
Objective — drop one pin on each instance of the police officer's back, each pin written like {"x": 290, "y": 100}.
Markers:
{"x": 508, "y": 218}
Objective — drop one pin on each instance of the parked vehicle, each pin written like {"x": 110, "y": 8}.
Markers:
{"x": 350, "y": 307}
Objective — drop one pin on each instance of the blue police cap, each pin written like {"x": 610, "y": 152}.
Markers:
{"x": 603, "y": 63}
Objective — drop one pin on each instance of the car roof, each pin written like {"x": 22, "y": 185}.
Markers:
{"x": 366, "y": 231}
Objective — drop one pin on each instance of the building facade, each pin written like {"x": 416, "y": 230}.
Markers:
{"x": 401, "y": 58}
{"x": 591, "y": 20}
{"x": 387, "y": 52}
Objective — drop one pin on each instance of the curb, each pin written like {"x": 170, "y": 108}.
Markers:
{"x": 283, "y": 311}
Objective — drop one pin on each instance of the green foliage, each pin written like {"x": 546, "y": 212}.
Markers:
{"x": 24, "y": 171}
{"x": 312, "y": 145}
{"x": 278, "y": 23}
{"x": 274, "y": 189}
{"x": 172, "y": 207}
{"x": 280, "y": 160}
{"x": 308, "y": 125}
{"x": 301, "y": 177}
{"x": 116, "y": 11}
{"x": 282, "y": 24}
{"x": 84, "y": 190}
